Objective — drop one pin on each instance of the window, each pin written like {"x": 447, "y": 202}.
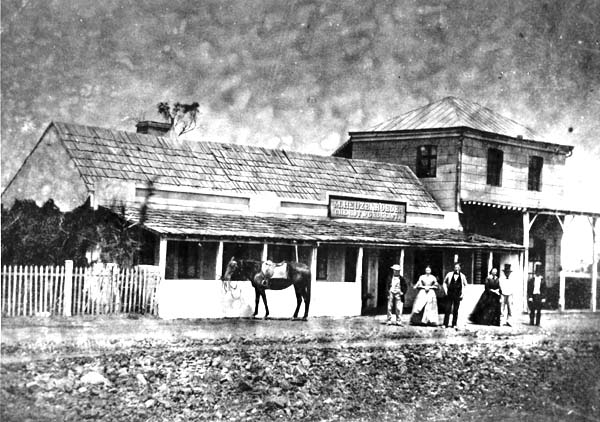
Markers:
{"x": 426, "y": 160}
{"x": 280, "y": 253}
{"x": 494, "y": 167}
{"x": 535, "y": 173}
{"x": 241, "y": 251}
{"x": 350, "y": 270}
{"x": 191, "y": 260}
{"x": 322, "y": 258}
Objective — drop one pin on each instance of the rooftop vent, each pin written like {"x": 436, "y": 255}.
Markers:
{"x": 153, "y": 128}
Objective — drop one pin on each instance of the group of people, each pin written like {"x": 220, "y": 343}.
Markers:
{"x": 493, "y": 308}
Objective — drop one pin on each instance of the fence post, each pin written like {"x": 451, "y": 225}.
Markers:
{"x": 68, "y": 289}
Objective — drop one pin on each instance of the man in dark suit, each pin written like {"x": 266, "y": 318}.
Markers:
{"x": 454, "y": 283}
{"x": 536, "y": 295}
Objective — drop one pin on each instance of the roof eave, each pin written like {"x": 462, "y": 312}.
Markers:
{"x": 457, "y": 130}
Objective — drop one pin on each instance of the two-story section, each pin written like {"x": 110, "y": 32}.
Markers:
{"x": 499, "y": 177}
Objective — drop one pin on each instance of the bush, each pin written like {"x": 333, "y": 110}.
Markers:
{"x": 33, "y": 235}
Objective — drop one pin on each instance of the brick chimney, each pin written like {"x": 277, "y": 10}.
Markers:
{"x": 153, "y": 128}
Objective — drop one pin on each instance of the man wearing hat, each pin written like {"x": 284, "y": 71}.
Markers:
{"x": 396, "y": 289}
{"x": 536, "y": 295}
{"x": 506, "y": 298}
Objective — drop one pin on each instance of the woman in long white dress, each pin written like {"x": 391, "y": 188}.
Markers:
{"x": 425, "y": 309}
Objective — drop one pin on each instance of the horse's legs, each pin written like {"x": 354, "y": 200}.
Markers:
{"x": 264, "y": 298}
{"x": 256, "y": 299}
{"x": 298, "y": 301}
{"x": 306, "y": 295}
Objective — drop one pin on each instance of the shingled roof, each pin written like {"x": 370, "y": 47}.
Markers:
{"x": 451, "y": 112}
{"x": 111, "y": 154}
{"x": 195, "y": 224}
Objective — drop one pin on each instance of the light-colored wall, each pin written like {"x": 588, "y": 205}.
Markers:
{"x": 515, "y": 169}
{"x": 262, "y": 204}
{"x": 404, "y": 151}
{"x": 207, "y": 299}
{"x": 48, "y": 173}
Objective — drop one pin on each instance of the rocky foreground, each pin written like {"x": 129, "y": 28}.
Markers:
{"x": 262, "y": 379}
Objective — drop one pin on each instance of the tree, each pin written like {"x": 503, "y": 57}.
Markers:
{"x": 182, "y": 117}
{"x": 33, "y": 235}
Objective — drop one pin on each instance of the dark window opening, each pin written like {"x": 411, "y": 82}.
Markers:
{"x": 241, "y": 251}
{"x": 280, "y": 253}
{"x": 494, "y": 167}
{"x": 426, "y": 160}
{"x": 535, "y": 173}
{"x": 191, "y": 260}
{"x": 350, "y": 270}
{"x": 322, "y": 258}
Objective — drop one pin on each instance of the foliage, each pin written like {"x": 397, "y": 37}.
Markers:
{"x": 44, "y": 235}
{"x": 182, "y": 117}
{"x": 32, "y": 234}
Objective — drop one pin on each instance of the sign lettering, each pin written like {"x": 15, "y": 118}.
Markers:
{"x": 367, "y": 210}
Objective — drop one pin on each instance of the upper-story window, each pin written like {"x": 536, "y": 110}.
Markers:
{"x": 426, "y": 160}
{"x": 534, "y": 180}
{"x": 494, "y": 166}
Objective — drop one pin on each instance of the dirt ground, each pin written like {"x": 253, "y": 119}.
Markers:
{"x": 141, "y": 368}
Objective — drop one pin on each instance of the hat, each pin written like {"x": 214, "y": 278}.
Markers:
{"x": 507, "y": 268}
{"x": 396, "y": 267}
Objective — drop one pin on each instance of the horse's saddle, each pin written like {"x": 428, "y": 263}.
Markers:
{"x": 274, "y": 270}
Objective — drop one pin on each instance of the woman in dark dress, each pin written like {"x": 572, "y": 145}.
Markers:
{"x": 487, "y": 310}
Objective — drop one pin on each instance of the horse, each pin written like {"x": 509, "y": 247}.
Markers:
{"x": 298, "y": 275}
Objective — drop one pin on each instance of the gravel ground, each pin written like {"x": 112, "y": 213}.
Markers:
{"x": 351, "y": 369}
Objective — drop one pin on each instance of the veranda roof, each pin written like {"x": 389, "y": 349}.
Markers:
{"x": 194, "y": 224}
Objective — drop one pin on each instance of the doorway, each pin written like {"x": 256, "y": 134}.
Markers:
{"x": 431, "y": 257}
{"x": 387, "y": 258}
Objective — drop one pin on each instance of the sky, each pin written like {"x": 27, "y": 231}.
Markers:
{"x": 299, "y": 74}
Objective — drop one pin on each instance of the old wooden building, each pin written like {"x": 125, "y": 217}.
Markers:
{"x": 349, "y": 219}
{"x": 449, "y": 182}
{"x": 500, "y": 177}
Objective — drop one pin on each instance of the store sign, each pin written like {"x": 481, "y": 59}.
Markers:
{"x": 367, "y": 210}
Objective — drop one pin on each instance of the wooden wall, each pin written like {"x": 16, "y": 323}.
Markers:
{"x": 473, "y": 177}
{"x": 404, "y": 151}
{"x": 515, "y": 169}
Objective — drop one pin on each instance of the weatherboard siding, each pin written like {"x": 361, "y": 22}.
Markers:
{"x": 515, "y": 170}
{"x": 404, "y": 151}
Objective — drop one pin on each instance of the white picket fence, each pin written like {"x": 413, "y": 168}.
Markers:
{"x": 65, "y": 290}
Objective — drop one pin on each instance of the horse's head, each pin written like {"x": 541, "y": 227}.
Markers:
{"x": 233, "y": 270}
